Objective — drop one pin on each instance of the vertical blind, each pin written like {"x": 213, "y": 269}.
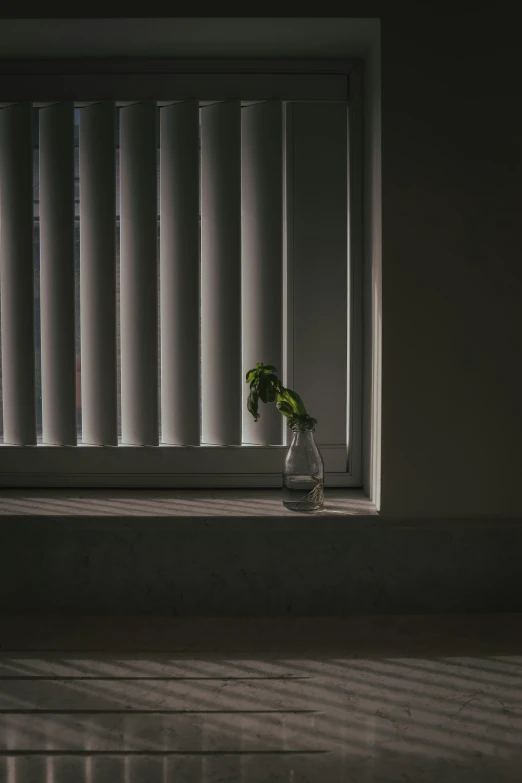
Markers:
{"x": 217, "y": 195}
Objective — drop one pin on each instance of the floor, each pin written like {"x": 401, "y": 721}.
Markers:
{"x": 395, "y": 699}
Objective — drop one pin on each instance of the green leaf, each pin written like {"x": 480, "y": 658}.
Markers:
{"x": 269, "y": 368}
{"x": 274, "y": 380}
{"x": 283, "y": 396}
{"x": 263, "y": 388}
{"x": 270, "y": 393}
{"x": 259, "y": 365}
{"x": 267, "y": 386}
{"x": 305, "y": 422}
{"x": 251, "y": 374}
{"x": 288, "y": 396}
{"x": 252, "y": 404}
{"x": 295, "y": 401}
{"x": 285, "y": 408}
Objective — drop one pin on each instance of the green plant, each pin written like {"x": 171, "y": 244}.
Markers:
{"x": 266, "y": 386}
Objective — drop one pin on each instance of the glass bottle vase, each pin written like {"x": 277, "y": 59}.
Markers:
{"x": 303, "y": 472}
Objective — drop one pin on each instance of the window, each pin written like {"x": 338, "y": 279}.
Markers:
{"x": 187, "y": 220}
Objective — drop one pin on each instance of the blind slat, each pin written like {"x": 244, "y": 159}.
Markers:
{"x": 262, "y": 256}
{"x": 98, "y": 273}
{"x": 221, "y": 303}
{"x": 57, "y": 274}
{"x": 138, "y": 275}
{"x": 17, "y": 275}
{"x": 221, "y": 273}
{"x": 318, "y": 215}
{"x": 179, "y": 273}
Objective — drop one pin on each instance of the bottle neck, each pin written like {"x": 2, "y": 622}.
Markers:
{"x": 302, "y": 435}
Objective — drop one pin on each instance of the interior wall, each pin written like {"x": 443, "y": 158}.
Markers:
{"x": 452, "y": 252}
{"x": 254, "y": 566}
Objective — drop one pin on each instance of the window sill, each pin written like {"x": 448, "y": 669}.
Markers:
{"x": 184, "y": 503}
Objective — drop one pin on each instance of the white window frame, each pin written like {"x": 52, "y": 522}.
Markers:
{"x": 137, "y": 79}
